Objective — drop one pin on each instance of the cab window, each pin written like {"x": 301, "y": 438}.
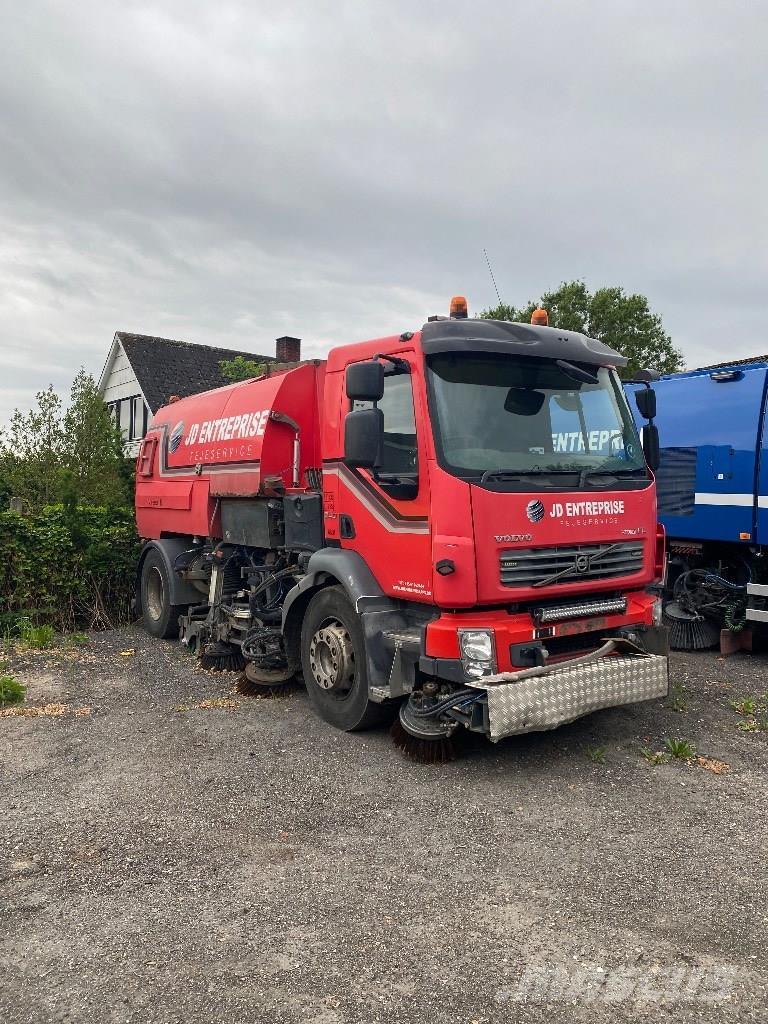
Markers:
{"x": 399, "y": 456}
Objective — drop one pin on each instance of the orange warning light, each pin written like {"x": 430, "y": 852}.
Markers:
{"x": 458, "y": 308}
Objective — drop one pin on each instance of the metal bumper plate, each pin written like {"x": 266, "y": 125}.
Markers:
{"x": 547, "y": 701}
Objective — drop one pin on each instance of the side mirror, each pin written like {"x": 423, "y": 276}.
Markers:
{"x": 365, "y": 381}
{"x": 646, "y": 402}
{"x": 651, "y": 445}
{"x": 363, "y": 435}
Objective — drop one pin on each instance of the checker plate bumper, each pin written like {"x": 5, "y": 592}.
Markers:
{"x": 544, "y": 702}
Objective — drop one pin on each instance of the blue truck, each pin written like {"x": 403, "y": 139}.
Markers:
{"x": 712, "y": 485}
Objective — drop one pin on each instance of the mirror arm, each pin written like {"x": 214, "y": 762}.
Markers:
{"x": 400, "y": 364}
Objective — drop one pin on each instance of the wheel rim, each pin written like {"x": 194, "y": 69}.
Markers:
{"x": 155, "y": 593}
{"x": 332, "y": 658}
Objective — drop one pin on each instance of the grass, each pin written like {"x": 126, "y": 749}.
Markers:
{"x": 677, "y": 699}
{"x": 76, "y": 640}
{"x": 681, "y": 749}
{"x": 753, "y": 725}
{"x": 37, "y": 637}
{"x": 596, "y": 754}
{"x": 11, "y": 691}
{"x": 655, "y": 757}
{"x": 747, "y": 706}
{"x": 753, "y": 712}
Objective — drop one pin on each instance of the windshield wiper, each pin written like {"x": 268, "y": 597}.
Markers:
{"x": 587, "y": 472}
{"x": 512, "y": 474}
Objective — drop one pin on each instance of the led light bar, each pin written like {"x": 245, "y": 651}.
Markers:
{"x": 582, "y": 610}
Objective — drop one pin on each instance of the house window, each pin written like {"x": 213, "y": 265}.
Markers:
{"x": 130, "y": 415}
{"x": 137, "y": 425}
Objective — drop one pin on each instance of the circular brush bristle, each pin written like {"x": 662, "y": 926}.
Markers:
{"x": 222, "y": 663}
{"x": 689, "y": 632}
{"x": 246, "y": 688}
{"x": 439, "y": 751}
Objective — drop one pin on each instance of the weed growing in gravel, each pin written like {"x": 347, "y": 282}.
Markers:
{"x": 76, "y": 640}
{"x": 596, "y": 754}
{"x": 682, "y": 749}
{"x": 11, "y": 691}
{"x": 753, "y": 725}
{"x": 655, "y": 757}
{"x": 744, "y": 707}
{"x": 754, "y": 713}
{"x": 676, "y": 700}
{"x": 37, "y": 637}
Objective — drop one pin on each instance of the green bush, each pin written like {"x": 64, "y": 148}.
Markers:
{"x": 67, "y": 566}
{"x": 11, "y": 691}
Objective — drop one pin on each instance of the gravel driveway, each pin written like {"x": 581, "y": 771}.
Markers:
{"x": 172, "y": 852}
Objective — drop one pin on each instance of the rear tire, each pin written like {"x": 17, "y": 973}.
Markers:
{"x": 334, "y": 664}
{"x": 161, "y": 618}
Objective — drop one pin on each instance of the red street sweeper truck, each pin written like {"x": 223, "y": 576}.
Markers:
{"x": 454, "y": 527}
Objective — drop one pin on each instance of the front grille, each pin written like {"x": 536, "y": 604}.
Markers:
{"x": 529, "y": 567}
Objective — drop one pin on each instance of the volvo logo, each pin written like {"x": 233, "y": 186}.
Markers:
{"x": 175, "y": 437}
{"x": 535, "y": 511}
{"x": 581, "y": 563}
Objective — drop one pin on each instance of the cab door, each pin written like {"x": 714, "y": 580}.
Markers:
{"x": 383, "y": 513}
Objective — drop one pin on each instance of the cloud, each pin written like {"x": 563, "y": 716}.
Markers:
{"x": 230, "y": 172}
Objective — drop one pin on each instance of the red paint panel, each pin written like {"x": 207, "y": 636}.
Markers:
{"x": 442, "y": 639}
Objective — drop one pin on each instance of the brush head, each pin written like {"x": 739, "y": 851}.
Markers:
{"x": 258, "y": 682}
{"x": 424, "y": 750}
{"x": 689, "y": 631}
{"x": 221, "y": 658}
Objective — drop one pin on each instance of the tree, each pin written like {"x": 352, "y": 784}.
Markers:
{"x": 239, "y": 368}
{"x": 48, "y": 456}
{"x": 93, "y": 446}
{"x": 31, "y": 451}
{"x": 625, "y": 322}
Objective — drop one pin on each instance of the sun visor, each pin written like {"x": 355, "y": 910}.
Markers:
{"x": 499, "y": 336}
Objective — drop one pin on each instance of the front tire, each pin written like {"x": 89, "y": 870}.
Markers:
{"x": 161, "y": 618}
{"x": 334, "y": 664}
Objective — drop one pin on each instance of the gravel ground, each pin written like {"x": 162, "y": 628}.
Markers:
{"x": 243, "y": 862}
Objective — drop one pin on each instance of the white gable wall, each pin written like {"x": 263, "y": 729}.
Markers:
{"x": 121, "y": 392}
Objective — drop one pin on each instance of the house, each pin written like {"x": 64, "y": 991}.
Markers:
{"x": 142, "y": 373}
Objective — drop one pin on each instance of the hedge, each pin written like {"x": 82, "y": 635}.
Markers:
{"x": 70, "y": 566}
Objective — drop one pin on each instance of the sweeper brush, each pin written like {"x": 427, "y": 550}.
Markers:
{"x": 218, "y": 657}
{"x": 424, "y": 750}
{"x": 259, "y": 682}
{"x": 689, "y": 631}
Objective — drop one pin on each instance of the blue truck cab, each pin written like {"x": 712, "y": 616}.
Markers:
{"x": 712, "y": 486}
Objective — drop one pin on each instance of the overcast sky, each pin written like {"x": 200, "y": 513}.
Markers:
{"x": 226, "y": 172}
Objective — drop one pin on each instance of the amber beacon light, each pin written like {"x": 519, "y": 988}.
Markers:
{"x": 540, "y": 317}
{"x": 458, "y": 308}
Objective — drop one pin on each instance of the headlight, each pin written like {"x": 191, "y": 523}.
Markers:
{"x": 657, "y": 609}
{"x": 478, "y": 654}
{"x": 476, "y": 644}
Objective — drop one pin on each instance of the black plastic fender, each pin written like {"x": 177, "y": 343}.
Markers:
{"x": 170, "y": 548}
{"x": 347, "y": 567}
{"x": 337, "y": 566}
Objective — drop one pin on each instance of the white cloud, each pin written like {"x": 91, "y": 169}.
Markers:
{"x": 230, "y": 172}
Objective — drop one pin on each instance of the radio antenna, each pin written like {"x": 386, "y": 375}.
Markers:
{"x": 490, "y": 271}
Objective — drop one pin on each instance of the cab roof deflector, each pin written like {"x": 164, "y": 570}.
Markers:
{"x": 516, "y": 339}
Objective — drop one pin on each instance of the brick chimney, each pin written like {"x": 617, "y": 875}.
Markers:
{"x": 288, "y": 350}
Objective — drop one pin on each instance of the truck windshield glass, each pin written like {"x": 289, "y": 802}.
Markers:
{"x": 516, "y": 415}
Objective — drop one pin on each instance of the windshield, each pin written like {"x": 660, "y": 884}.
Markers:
{"x": 524, "y": 415}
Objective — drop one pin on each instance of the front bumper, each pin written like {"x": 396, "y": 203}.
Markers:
{"x": 547, "y": 698}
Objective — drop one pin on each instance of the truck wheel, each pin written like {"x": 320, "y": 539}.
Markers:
{"x": 333, "y": 662}
{"x": 161, "y": 618}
